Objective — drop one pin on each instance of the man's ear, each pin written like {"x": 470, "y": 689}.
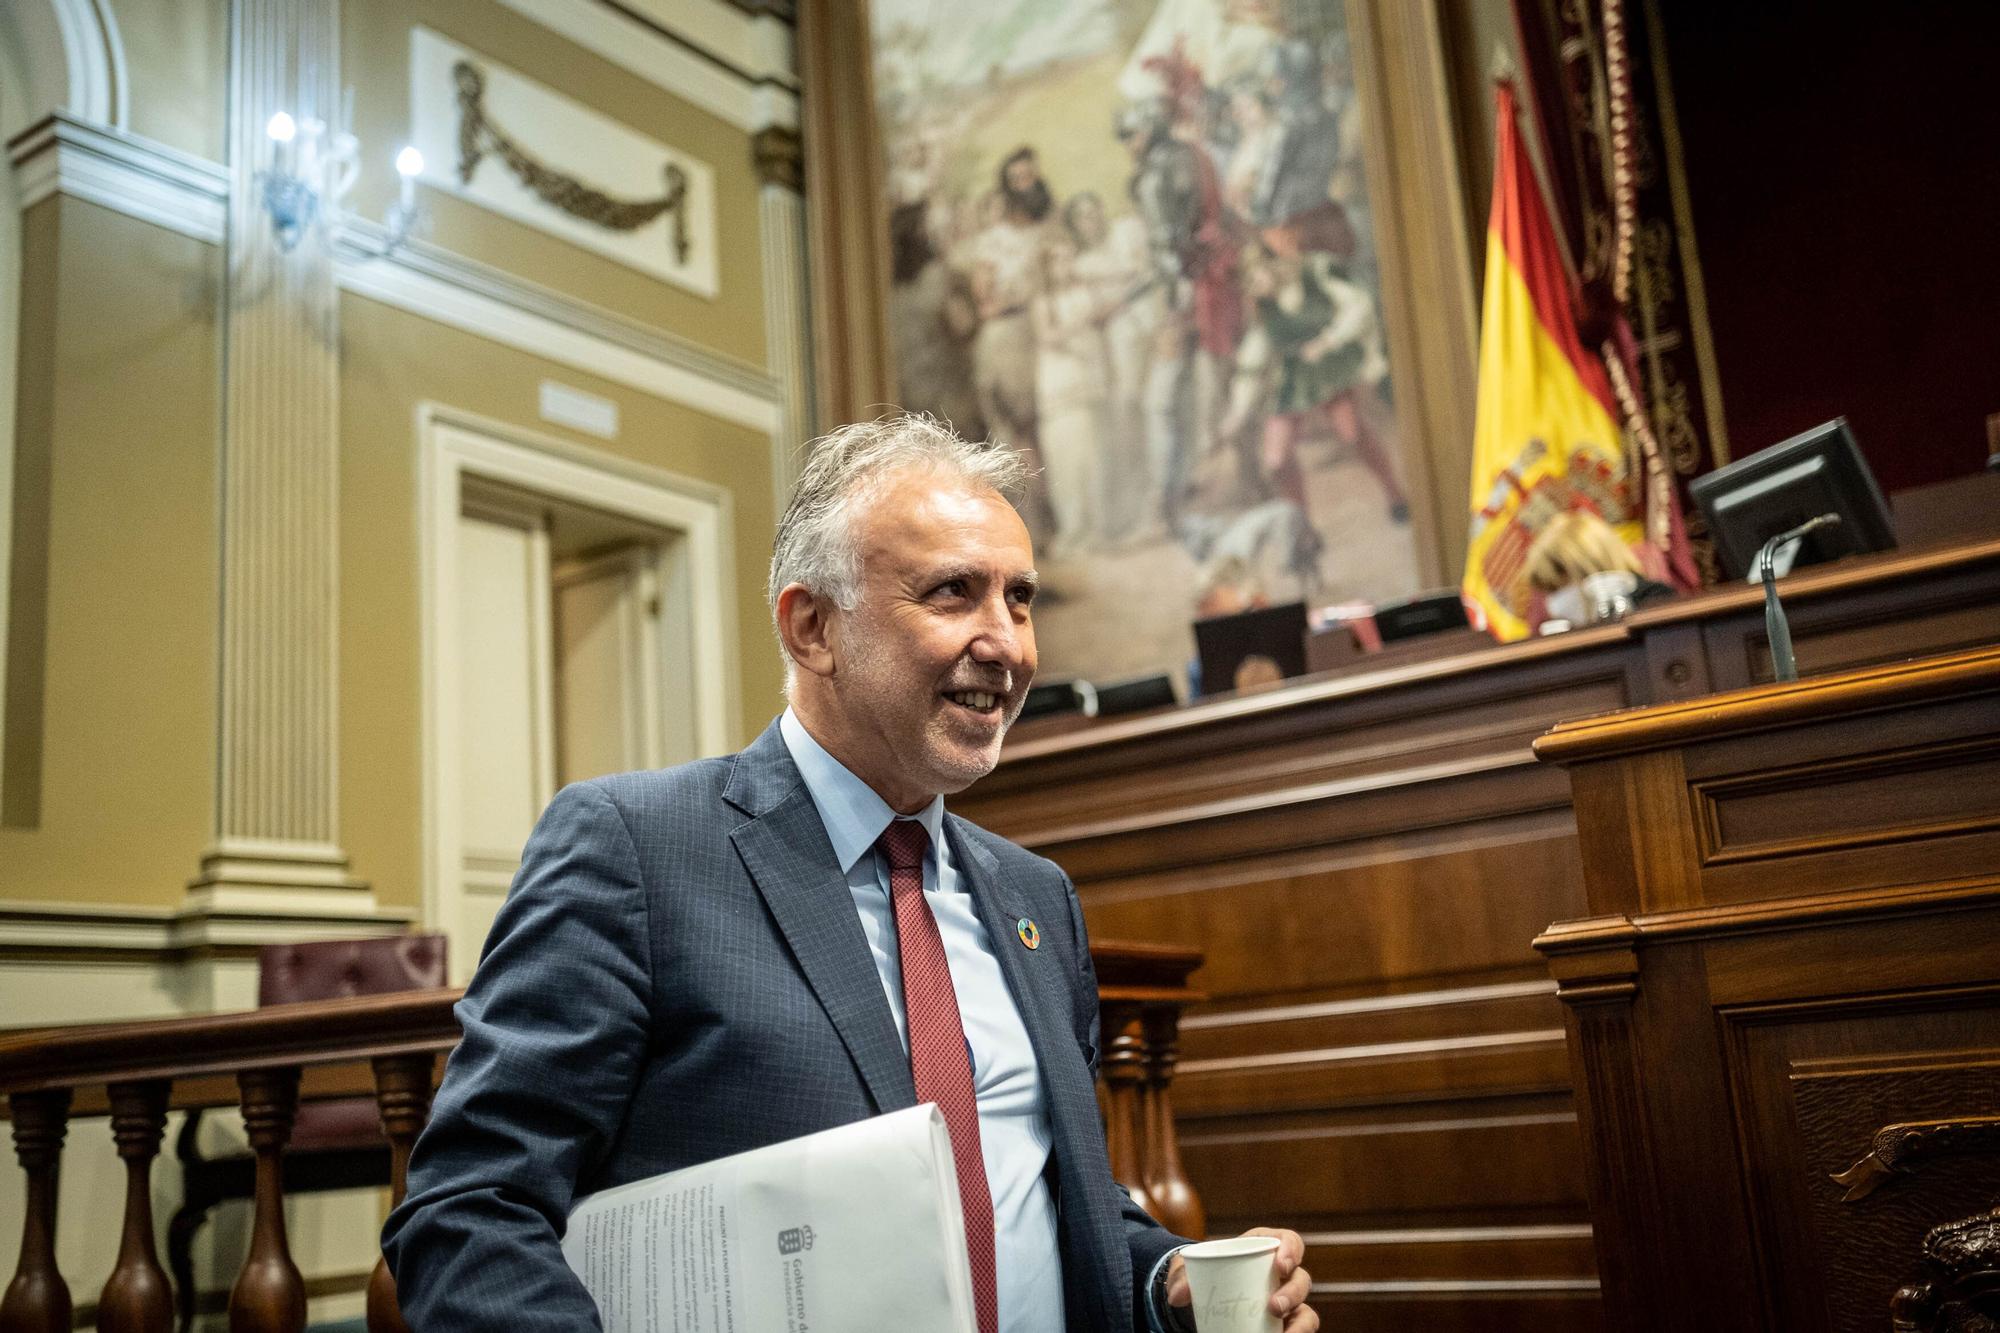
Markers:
{"x": 802, "y": 625}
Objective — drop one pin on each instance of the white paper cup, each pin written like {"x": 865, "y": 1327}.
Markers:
{"x": 1232, "y": 1281}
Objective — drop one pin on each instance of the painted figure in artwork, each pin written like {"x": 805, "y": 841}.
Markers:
{"x": 1131, "y": 241}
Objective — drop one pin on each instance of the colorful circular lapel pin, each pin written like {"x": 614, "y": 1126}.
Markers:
{"x": 1030, "y": 933}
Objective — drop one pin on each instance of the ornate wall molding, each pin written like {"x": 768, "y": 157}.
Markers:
{"x": 780, "y": 158}
{"x": 154, "y": 183}
{"x": 733, "y": 65}
{"x": 464, "y": 293}
{"x": 479, "y": 136}
{"x": 561, "y": 166}
{"x": 54, "y": 930}
{"x": 119, "y": 170}
{"x": 71, "y": 60}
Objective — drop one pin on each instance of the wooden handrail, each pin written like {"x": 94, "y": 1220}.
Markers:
{"x": 281, "y": 1054}
{"x": 312, "y": 1032}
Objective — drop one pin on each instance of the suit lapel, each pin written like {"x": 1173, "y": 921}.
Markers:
{"x": 785, "y": 849}
{"x": 1091, "y": 1273}
{"x": 1033, "y": 975}
{"x": 1000, "y": 911}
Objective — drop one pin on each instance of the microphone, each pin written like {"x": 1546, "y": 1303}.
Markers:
{"x": 1768, "y": 553}
{"x": 1776, "y": 629}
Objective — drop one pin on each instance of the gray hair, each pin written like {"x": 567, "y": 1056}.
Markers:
{"x": 815, "y": 546}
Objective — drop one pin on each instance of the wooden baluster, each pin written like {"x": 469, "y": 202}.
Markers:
{"x": 403, "y": 1092}
{"x": 1176, "y": 1206}
{"x": 269, "y": 1296}
{"x": 1124, "y": 1070}
{"x": 138, "y": 1298}
{"x": 37, "y": 1300}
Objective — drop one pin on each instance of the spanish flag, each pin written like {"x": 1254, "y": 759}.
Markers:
{"x": 1545, "y": 437}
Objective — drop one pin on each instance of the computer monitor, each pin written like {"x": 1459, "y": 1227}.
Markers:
{"x": 1274, "y": 635}
{"x": 1818, "y": 472}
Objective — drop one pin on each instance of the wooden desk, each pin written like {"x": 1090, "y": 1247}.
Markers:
{"x": 1365, "y": 857}
{"x": 1783, "y": 1000}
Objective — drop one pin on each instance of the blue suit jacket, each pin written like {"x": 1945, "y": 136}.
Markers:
{"x": 679, "y": 974}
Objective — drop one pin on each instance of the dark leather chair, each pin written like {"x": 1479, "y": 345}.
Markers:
{"x": 335, "y": 1144}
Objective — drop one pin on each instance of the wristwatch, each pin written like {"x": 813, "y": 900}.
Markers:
{"x": 1175, "y": 1319}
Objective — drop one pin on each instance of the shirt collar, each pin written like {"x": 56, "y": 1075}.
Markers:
{"x": 853, "y": 813}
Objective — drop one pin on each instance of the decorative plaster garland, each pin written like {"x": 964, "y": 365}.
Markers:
{"x": 478, "y": 135}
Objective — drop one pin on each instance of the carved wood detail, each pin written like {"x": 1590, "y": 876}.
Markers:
{"x": 1123, "y": 1066}
{"x": 1175, "y": 1204}
{"x": 1957, "y": 1287}
{"x": 270, "y": 1293}
{"x": 137, "y": 1298}
{"x": 1895, "y": 1148}
{"x": 403, "y": 1093}
{"x": 37, "y": 1300}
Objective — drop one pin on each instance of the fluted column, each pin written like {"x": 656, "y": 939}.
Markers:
{"x": 276, "y": 816}
{"x": 781, "y": 221}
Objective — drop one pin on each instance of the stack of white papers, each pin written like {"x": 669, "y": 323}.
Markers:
{"x": 854, "y": 1230}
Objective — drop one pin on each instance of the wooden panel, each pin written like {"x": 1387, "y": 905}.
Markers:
{"x": 1497, "y": 1064}
{"x": 1437, "y": 1254}
{"x": 1820, "y": 968}
{"x": 1402, "y": 732}
{"x": 1365, "y": 858}
{"x": 1512, "y": 1306}
{"x": 1881, "y": 633}
{"x": 1291, "y": 909}
{"x": 1814, "y": 1084}
{"x": 1522, "y": 1155}
{"x": 1254, "y": 1030}
{"x": 1913, "y": 793}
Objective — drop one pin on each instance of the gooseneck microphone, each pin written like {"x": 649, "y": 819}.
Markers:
{"x": 1776, "y": 629}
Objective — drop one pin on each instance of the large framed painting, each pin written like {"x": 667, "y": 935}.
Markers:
{"x": 1137, "y": 242}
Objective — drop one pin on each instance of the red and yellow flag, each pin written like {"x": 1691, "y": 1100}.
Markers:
{"x": 1546, "y": 436}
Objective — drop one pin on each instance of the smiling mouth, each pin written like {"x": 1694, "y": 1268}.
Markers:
{"x": 982, "y": 702}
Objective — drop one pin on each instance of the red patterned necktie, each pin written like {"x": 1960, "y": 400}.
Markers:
{"x": 938, "y": 1055}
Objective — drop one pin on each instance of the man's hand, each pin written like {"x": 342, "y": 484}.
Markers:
{"x": 1288, "y": 1302}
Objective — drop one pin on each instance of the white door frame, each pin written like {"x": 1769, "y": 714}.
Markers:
{"x": 453, "y": 444}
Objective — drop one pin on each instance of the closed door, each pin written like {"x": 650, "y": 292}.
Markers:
{"x": 506, "y": 751}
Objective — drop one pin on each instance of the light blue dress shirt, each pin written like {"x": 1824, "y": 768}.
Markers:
{"x": 1014, "y": 1134}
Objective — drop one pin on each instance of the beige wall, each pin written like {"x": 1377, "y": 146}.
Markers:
{"x": 177, "y": 63}
{"x": 392, "y": 362}
{"x": 115, "y": 531}
{"x": 118, "y": 397}
{"x": 375, "y": 57}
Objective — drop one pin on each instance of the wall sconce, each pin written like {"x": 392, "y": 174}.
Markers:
{"x": 312, "y": 169}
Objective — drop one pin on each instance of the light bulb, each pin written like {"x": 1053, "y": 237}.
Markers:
{"x": 281, "y": 127}
{"x": 410, "y": 162}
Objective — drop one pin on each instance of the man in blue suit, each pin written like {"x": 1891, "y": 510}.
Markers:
{"x": 706, "y": 959}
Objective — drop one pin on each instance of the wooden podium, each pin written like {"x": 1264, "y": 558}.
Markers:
{"x": 1365, "y": 857}
{"x": 1783, "y": 1008}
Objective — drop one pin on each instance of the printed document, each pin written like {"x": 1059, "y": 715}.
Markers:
{"x": 854, "y": 1230}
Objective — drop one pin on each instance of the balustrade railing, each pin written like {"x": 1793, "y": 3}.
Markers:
{"x": 267, "y": 1060}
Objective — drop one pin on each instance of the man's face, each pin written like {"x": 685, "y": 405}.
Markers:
{"x": 1028, "y": 196}
{"x": 933, "y": 664}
